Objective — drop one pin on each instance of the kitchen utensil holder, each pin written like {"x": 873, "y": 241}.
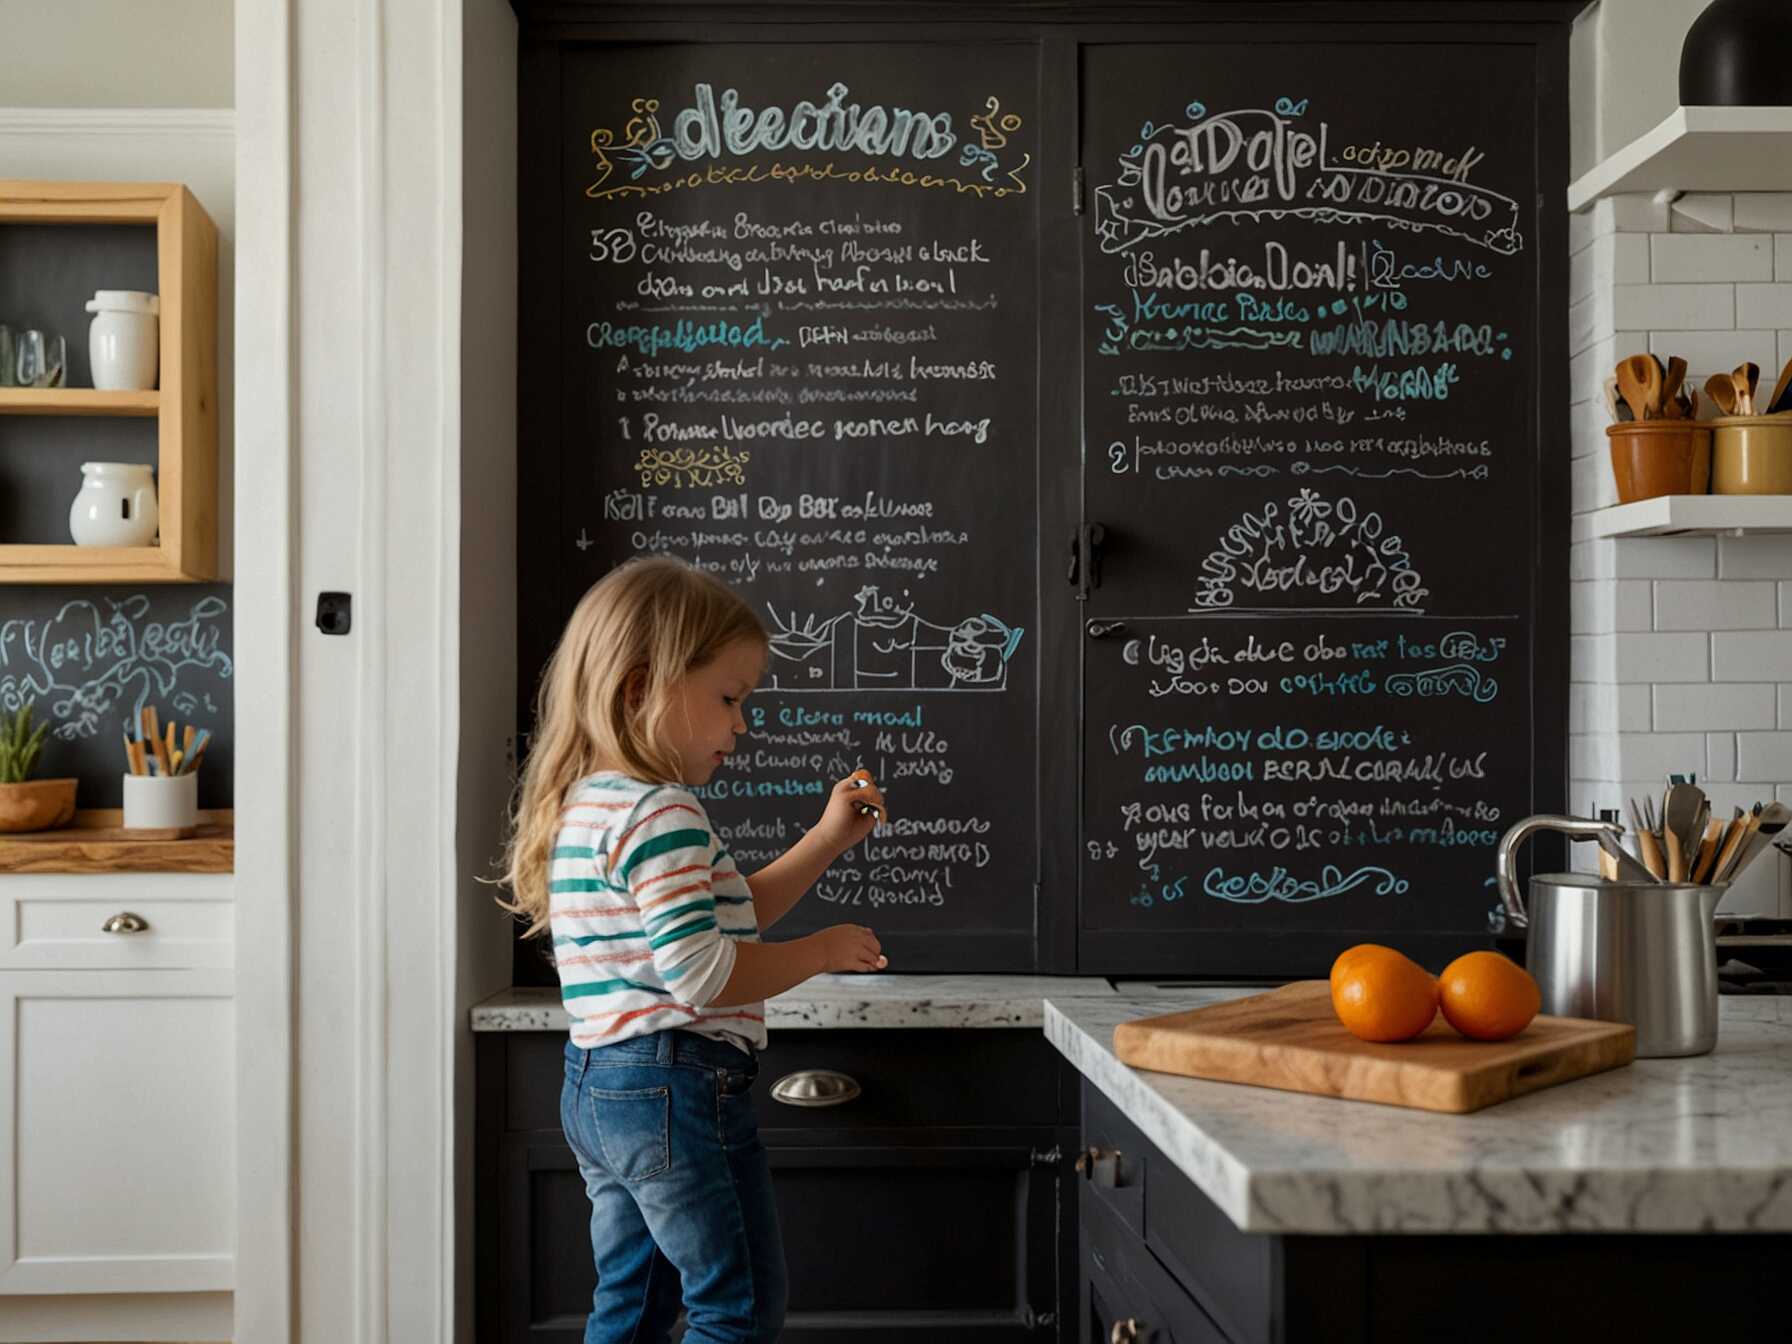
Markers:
{"x": 161, "y": 802}
{"x": 1751, "y": 455}
{"x": 1659, "y": 457}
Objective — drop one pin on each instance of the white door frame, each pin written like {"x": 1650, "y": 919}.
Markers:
{"x": 348, "y": 368}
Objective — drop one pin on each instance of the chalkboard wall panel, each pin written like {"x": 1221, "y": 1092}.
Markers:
{"x": 797, "y": 314}
{"x": 91, "y": 658}
{"x": 1450, "y": 483}
{"x": 1311, "y": 360}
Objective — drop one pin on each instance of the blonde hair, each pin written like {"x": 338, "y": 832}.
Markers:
{"x": 655, "y": 616}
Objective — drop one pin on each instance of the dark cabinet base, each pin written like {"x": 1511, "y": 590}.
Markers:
{"x": 939, "y": 1205}
{"x": 1162, "y": 1263}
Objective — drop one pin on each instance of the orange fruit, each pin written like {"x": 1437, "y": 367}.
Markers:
{"x": 1350, "y": 954}
{"x": 1488, "y": 997}
{"x": 1381, "y": 995}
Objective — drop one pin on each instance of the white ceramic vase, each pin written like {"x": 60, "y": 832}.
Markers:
{"x": 116, "y": 505}
{"x": 123, "y": 340}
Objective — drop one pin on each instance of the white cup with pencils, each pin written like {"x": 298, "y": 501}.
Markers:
{"x": 161, "y": 789}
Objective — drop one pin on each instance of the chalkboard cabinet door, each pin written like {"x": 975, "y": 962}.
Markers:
{"x": 945, "y": 1208}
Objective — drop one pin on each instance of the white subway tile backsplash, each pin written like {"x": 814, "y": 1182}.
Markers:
{"x": 1720, "y": 756}
{"x": 1591, "y": 608}
{"x": 1592, "y": 755}
{"x": 1786, "y": 604}
{"x": 1709, "y": 351}
{"x": 1710, "y": 604}
{"x": 1763, "y": 211}
{"x": 1591, "y": 708}
{"x": 1633, "y": 212}
{"x": 1763, "y": 306}
{"x": 1591, "y": 658}
{"x": 1590, "y": 483}
{"x": 1687, "y": 258}
{"x": 1664, "y": 558}
{"x": 1749, "y": 655}
{"x": 1679, "y": 307}
{"x": 1671, "y": 657}
{"x": 1586, "y": 428}
{"x": 1656, "y": 755}
{"x": 1785, "y": 353}
{"x": 1635, "y": 714}
{"x": 1764, "y": 757}
{"x": 1782, "y": 256}
{"x": 1785, "y": 705}
{"x": 1766, "y": 556}
{"x": 1632, "y": 605}
{"x": 1623, "y": 259}
{"x": 1701, "y": 212}
{"x": 1589, "y": 368}
{"x": 1682, "y": 708}
{"x": 1589, "y": 321}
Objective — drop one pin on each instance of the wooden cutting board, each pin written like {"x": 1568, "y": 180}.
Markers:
{"x": 1289, "y": 1038}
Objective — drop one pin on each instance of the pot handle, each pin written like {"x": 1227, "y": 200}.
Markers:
{"x": 1576, "y": 828}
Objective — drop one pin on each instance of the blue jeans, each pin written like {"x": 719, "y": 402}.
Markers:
{"x": 664, "y": 1132}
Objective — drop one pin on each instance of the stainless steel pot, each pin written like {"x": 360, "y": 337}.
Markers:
{"x": 1638, "y": 952}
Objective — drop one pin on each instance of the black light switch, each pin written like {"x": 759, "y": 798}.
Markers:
{"x": 333, "y": 613}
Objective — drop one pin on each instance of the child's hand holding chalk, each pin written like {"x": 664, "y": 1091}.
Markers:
{"x": 854, "y": 808}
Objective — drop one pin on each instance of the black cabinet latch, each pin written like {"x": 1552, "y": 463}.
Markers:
{"x": 334, "y": 613}
{"x": 1085, "y": 558}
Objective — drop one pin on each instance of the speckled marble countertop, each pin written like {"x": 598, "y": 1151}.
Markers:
{"x": 850, "y": 1001}
{"x": 1662, "y": 1145}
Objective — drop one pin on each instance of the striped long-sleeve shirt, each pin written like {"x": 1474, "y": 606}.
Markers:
{"x": 645, "y": 906}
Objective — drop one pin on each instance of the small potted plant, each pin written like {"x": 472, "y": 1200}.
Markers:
{"x": 28, "y": 804}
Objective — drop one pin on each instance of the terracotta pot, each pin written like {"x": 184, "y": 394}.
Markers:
{"x": 1659, "y": 457}
{"x": 37, "y": 804}
{"x": 1751, "y": 455}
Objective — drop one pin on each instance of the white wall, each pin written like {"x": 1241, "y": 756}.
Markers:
{"x": 115, "y": 53}
{"x": 1625, "y": 73}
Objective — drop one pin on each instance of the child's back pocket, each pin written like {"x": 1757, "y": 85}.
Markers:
{"x": 633, "y": 1129}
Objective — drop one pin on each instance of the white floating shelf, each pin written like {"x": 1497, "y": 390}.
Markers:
{"x": 1695, "y": 515}
{"x": 1698, "y": 149}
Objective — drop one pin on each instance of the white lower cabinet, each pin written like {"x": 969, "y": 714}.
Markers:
{"x": 117, "y": 1131}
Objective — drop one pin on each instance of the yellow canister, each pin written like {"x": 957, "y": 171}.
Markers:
{"x": 1752, "y": 455}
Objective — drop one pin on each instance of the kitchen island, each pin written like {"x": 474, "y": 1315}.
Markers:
{"x": 1218, "y": 1211}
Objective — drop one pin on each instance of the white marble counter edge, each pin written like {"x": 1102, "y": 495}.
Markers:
{"x": 1482, "y": 1198}
{"x": 846, "y": 1001}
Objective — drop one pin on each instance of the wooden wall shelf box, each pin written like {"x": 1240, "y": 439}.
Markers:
{"x": 1695, "y": 515}
{"x": 1697, "y": 149}
{"x": 97, "y": 843}
{"x": 186, "y": 406}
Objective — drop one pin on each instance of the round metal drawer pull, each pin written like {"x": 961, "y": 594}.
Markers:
{"x": 125, "y": 922}
{"x": 814, "y": 1087}
{"x": 1124, "y": 1331}
{"x": 1086, "y": 1160}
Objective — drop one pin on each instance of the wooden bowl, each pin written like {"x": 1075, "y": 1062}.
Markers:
{"x": 1752, "y": 455}
{"x": 1659, "y": 457}
{"x": 37, "y": 804}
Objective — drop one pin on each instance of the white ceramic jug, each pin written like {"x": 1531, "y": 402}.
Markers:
{"x": 123, "y": 340}
{"x": 116, "y": 505}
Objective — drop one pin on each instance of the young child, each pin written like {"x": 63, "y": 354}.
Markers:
{"x": 656, "y": 936}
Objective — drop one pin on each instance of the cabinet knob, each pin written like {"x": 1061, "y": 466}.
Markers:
{"x": 1124, "y": 1332}
{"x": 1087, "y": 1160}
{"x": 814, "y": 1087}
{"x": 125, "y": 922}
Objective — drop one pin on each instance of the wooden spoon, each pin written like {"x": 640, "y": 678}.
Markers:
{"x": 1670, "y": 387}
{"x": 1744, "y": 377}
{"x": 1722, "y": 389}
{"x": 1781, "y": 400}
{"x": 1639, "y": 379}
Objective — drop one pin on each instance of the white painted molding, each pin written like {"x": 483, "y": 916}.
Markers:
{"x": 187, "y": 121}
{"x": 266, "y": 600}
